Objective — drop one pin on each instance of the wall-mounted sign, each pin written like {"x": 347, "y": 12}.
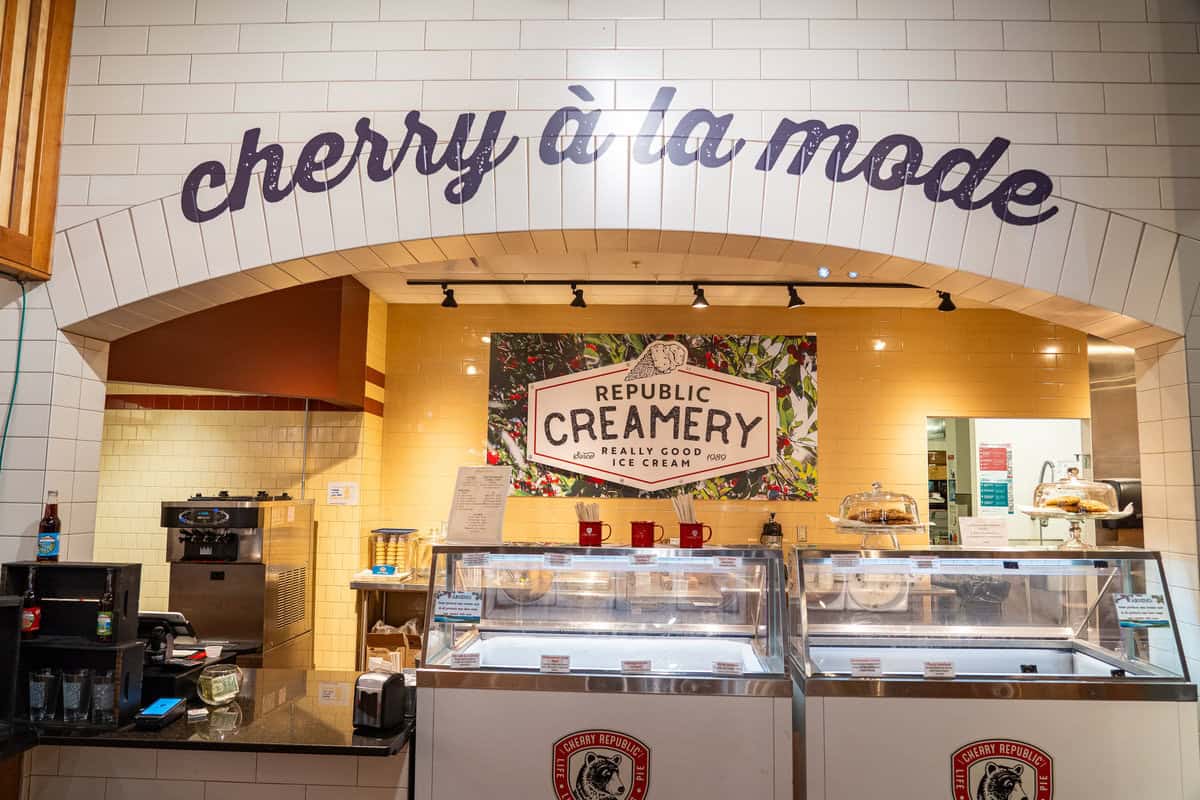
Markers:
{"x": 585, "y": 415}
{"x": 342, "y": 494}
{"x": 996, "y": 479}
{"x": 576, "y": 134}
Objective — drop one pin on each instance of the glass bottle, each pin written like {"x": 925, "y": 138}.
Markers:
{"x": 49, "y": 529}
{"x": 104, "y": 616}
{"x": 31, "y": 608}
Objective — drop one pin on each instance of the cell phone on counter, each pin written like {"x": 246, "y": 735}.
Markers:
{"x": 160, "y": 713}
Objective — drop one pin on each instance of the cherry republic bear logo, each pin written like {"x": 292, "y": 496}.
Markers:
{"x": 1001, "y": 769}
{"x": 600, "y": 765}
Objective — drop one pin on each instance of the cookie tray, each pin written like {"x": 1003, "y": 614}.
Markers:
{"x": 1053, "y": 513}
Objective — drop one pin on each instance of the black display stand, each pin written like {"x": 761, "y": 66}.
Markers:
{"x": 69, "y": 594}
{"x": 10, "y": 654}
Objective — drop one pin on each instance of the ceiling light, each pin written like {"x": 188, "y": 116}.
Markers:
{"x": 822, "y": 272}
{"x": 947, "y": 304}
{"x": 698, "y": 301}
{"x": 879, "y": 344}
{"x": 485, "y": 339}
{"x": 851, "y": 275}
{"x": 578, "y": 302}
{"x": 448, "y": 300}
{"x": 794, "y": 300}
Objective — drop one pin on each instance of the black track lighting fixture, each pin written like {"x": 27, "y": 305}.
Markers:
{"x": 947, "y": 304}
{"x": 698, "y": 299}
{"x": 794, "y": 299}
{"x": 578, "y": 302}
{"x": 448, "y": 300}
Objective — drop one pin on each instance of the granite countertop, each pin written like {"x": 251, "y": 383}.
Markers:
{"x": 277, "y": 711}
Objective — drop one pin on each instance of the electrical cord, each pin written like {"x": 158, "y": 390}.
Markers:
{"x": 12, "y": 398}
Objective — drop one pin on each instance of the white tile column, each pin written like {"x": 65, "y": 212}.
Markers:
{"x": 54, "y": 433}
{"x": 1170, "y": 447}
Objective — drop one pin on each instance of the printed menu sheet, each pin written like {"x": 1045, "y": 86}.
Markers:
{"x": 477, "y": 510}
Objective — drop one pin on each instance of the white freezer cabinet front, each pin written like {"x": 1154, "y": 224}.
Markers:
{"x": 504, "y": 744}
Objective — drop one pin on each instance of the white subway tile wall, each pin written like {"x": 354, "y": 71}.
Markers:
{"x": 165, "y": 73}
{"x": 89, "y": 773}
{"x": 1103, "y": 95}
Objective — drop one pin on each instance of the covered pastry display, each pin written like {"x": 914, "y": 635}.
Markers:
{"x": 878, "y": 512}
{"x": 1076, "y": 500}
{"x": 1074, "y": 495}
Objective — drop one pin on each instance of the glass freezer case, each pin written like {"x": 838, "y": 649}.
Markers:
{"x": 625, "y": 619}
{"x": 950, "y": 622}
{"x": 1005, "y": 673}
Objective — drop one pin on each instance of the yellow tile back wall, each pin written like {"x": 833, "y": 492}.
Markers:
{"x": 872, "y": 403}
{"x": 151, "y": 456}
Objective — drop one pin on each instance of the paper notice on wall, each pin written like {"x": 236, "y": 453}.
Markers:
{"x": 983, "y": 533}
{"x": 995, "y": 462}
{"x": 342, "y": 494}
{"x": 477, "y": 510}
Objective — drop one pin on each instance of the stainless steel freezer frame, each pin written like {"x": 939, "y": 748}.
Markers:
{"x": 693, "y": 613}
{"x": 1055, "y": 609}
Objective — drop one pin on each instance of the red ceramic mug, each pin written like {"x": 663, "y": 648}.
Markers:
{"x": 691, "y": 534}
{"x": 642, "y": 534}
{"x": 589, "y": 533}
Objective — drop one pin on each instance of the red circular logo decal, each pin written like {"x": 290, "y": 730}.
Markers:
{"x": 1001, "y": 769}
{"x": 600, "y": 765}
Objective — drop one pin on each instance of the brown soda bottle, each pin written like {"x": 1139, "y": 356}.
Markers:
{"x": 49, "y": 529}
{"x": 31, "y": 608}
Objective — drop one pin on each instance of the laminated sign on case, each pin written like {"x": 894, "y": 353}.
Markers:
{"x": 457, "y": 606}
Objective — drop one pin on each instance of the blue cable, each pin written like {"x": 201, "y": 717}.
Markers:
{"x": 12, "y": 399}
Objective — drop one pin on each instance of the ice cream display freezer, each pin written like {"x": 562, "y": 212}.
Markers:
{"x": 993, "y": 674}
{"x": 578, "y": 673}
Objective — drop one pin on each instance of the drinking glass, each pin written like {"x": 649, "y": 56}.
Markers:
{"x": 43, "y": 694}
{"x": 102, "y": 698}
{"x": 76, "y": 694}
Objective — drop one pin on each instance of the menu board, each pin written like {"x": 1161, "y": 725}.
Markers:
{"x": 995, "y": 479}
{"x": 477, "y": 510}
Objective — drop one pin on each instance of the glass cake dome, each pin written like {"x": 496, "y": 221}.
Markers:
{"x": 880, "y": 507}
{"x": 1074, "y": 495}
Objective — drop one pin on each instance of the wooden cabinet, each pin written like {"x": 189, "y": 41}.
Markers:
{"x": 35, "y": 50}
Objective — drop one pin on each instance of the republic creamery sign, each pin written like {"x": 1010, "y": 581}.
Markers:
{"x": 652, "y": 423}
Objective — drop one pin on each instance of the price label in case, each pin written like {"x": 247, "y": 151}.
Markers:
{"x": 457, "y": 661}
{"x": 475, "y": 559}
{"x": 845, "y": 560}
{"x": 457, "y": 606}
{"x": 556, "y": 663}
{"x": 923, "y": 563}
{"x": 636, "y": 666}
{"x": 939, "y": 669}
{"x": 727, "y": 667}
{"x": 643, "y": 559}
{"x": 557, "y": 559}
{"x": 866, "y": 667}
{"x": 728, "y": 562}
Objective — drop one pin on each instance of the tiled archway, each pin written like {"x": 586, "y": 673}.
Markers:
{"x": 1094, "y": 269}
